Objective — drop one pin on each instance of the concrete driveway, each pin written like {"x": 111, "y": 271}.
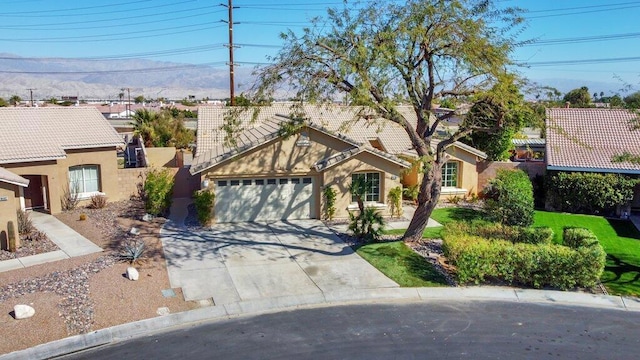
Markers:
{"x": 235, "y": 262}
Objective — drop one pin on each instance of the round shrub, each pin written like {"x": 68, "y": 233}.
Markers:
{"x": 509, "y": 198}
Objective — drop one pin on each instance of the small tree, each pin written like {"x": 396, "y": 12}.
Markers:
{"x": 395, "y": 201}
{"x": 509, "y": 198}
{"x": 329, "y": 202}
{"x": 139, "y": 99}
{"x": 15, "y": 100}
{"x": 578, "y": 97}
{"x": 3, "y": 103}
{"x": 158, "y": 188}
{"x": 204, "y": 202}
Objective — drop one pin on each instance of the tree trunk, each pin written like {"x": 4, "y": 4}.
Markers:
{"x": 427, "y": 201}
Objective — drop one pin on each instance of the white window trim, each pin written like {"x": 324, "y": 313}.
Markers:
{"x": 447, "y": 190}
{"x": 88, "y": 195}
{"x": 375, "y": 205}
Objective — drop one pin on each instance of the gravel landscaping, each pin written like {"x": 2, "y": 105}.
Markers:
{"x": 31, "y": 244}
{"x": 83, "y": 294}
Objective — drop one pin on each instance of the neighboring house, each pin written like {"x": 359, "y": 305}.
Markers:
{"x": 528, "y": 149}
{"x": 47, "y": 151}
{"x": 587, "y": 140}
{"x": 265, "y": 176}
{"x": 11, "y": 186}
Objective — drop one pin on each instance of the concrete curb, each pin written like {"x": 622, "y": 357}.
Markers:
{"x": 254, "y": 307}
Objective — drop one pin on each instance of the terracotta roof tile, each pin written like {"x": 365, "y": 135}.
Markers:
{"x": 588, "y": 139}
{"x": 38, "y": 134}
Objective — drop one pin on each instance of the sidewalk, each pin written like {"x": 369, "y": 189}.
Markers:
{"x": 70, "y": 243}
{"x": 262, "y": 306}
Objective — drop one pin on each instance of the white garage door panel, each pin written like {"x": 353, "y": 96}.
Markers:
{"x": 247, "y": 200}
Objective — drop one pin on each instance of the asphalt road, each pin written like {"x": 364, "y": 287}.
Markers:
{"x": 452, "y": 330}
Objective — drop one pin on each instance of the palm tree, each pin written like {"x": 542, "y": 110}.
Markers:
{"x": 143, "y": 125}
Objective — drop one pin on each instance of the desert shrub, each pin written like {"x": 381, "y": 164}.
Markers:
{"x": 329, "y": 202}
{"x": 478, "y": 259}
{"x": 25, "y": 225}
{"x": 588, "y": 193}
{"x": 158, "y": 188}
{"x": 367, "y": 225}
{"x": 204, "y": 202}
{"x": 133, "y": 250}
{"x": 395, "y": 201}
{"x": 83, "y": 217}
{"x": 509, "y": 198}
{"x": 98, "y": 201}
{"x": 69, "y": 199}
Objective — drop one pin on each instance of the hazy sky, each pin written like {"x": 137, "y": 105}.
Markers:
{"x": 604, "y": 34}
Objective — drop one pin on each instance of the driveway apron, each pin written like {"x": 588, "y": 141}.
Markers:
{"x": 234, "y": 262}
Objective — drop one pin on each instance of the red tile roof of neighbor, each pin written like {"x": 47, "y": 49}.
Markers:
{"x": 40, "y": 134}
{"x": 589, "y": 139}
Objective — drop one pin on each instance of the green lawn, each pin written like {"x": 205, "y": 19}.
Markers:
{"x": 443, "y": 216}
{"x": 401, "y": 264}
{"x": 620, "y": 239}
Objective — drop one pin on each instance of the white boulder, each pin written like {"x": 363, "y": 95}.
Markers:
{"x": 132, "y": 273}
{"x": 23, "y": 312}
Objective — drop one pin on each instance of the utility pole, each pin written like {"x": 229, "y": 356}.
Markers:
{"x": 31, "y": 95}
{"x": 231, "y": 65}
{"x": 128, "y": 105}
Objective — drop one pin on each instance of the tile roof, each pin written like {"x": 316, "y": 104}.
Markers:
{"x": 588, "y": 139}
{"x": 39, "y": 134}
{"x": 7, "y": 176}
{"x": 338, "y": 120}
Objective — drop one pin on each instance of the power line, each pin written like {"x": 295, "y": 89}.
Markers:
{"x": 29, "y": 14}
{"x": 580, "y": 62}
{"x": 173, "y": 18}
{"x": 582, "y": 39}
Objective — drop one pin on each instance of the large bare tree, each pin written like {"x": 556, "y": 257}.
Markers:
{"x": 380, "y": 54}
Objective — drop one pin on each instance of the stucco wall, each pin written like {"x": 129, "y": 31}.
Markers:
{"x": 339, "y": 177}
{"x": 284, "y": 158}
{"x": 280, "y": 157}
{"x": 8, "y": 211}
{"x": 129, "y": 181}
{"x": 161, "y": 156}
{"x": 487, "y": 170}
{"x": 57, "y": 173}
{"x": 467, "y": 173}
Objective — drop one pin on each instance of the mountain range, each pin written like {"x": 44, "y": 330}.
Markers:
{"x": 93, "y": 79}
{"x": 106, "y": 79}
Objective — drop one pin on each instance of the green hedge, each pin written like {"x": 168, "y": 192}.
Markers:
{"x": 588, "y": 193}
{"x": 478, "y": 259}
{"x": 513, "y": 234}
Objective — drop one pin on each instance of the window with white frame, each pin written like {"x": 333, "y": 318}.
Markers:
{"x": 373, "y": 195}
{"x": 84, "y": 179}
{"x": 450, "y": 174}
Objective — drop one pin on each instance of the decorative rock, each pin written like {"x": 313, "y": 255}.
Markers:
{"x": 147, "y": 217}
{"x": 162, "y": 311}
{"x": 132, "y": 273}
{"x": 23, "y": 312}
{"x": 134, "y": 231}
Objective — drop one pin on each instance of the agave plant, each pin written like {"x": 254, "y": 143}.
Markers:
{"x": 133, "y": 250}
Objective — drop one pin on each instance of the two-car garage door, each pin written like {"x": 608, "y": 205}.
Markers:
{"x": 264, "y": 199}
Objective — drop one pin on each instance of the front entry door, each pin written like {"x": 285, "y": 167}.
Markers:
{"x": 33, "y": 194}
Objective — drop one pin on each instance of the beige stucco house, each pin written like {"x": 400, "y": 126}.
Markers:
{"x": 260, "y": 175}
{"x": 46, "y": 151}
